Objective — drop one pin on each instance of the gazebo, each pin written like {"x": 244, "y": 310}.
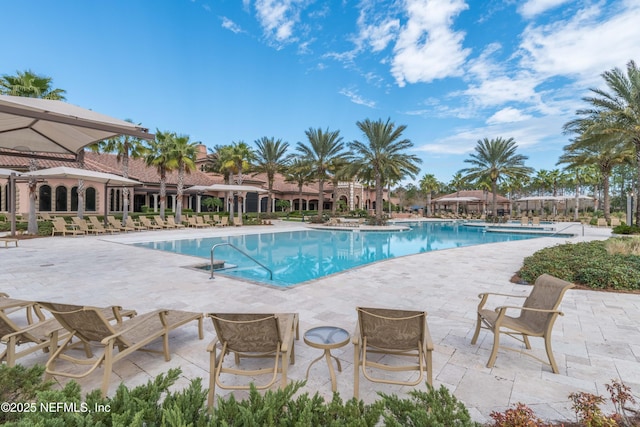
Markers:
{"x": 474, "y": 202}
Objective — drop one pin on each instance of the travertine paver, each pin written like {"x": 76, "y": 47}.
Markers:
{"x": 598, "y": 338}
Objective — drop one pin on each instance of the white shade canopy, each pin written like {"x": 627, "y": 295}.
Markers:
{"x": 225, "y": 187}
{"x": 6, "y": 173}
{"x": 457, "y": 199}
{"x": 48, "y": 126}
{"x": 552, "y": 198}
{"x": 76, "y": 173}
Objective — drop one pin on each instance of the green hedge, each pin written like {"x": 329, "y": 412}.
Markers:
{"x": 587, "y": 263}
{"x": 154, "y": 404}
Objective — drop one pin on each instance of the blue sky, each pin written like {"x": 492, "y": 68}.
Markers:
{"x": 452, "y": 71}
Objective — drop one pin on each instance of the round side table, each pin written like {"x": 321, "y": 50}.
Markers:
{"x": 327, "y": 338}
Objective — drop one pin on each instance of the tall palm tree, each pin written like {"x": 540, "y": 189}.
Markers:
{"x": 429, "y": 185}
{"x": 493, "y": 160}
{"x": 126, "y": 147}
{"x": 182, "y": 155}
{"x": 270, "y": 158}
{"x": 619, "y": 107}
{"x": 338, "y": 172}
{"x": 322, "y": 148}
{"x": 300, "y": 173}
{"x": 158, "y": 152}
{"x": 240, "y": 157}
{"x": 31, "y": 85}
{"x": 219, "y": 161}
{"x": 579, "y": 174}
{"x": 457, "y": 183}
{"x": 603, "y": 150}
{"x": 383, "y": 155}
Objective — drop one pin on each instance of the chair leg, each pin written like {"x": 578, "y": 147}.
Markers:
{"x": 429, "y": 360}
{"x": 10, "y": 352}
{"x": 525, "y": 338}
{"x": 494, "y": 351}
{"x": 165, "y": 345}
{"x": 356, "y": 371}
{"x": 212, "y": 378}
{"x": 552, "y": 361}
{"x": 477, "y": 332}
{"x": 108, "y": 366}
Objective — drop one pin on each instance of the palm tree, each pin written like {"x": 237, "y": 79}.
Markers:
{"x": 219, "y": 161}
{"x": 240, "y": 156}
{"x": 619, "y": 108}
{"x": 298, "y": 172}
{"x": 429, "y": 185}
{"x": 383, "y": 156}
{"x": 271, "y": 158}
{"x": 458, "y": 183}
{"x": 494, "y": 160}
{"x": 31, "y": 85}
{"x": 158, "y": 156}
{"x": 182, "y": 156}
{"x": 579, "y": 176}
{"x": 125, "y": 147}
{"x": 338, "y": 172}
{"x": 324, "y": 146}
{"x": 603, "y": 150}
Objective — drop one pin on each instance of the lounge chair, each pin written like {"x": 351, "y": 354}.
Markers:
{"x": 42, "y": 334}
{"x": 224, "y": 222}
{"x": 131, "y": 224}
{"x": 158, "y": 219}
{"x": 90, "y": 326}
{"x": 391, "y": 332}
{"x": 201, "y": 221}
{"x": 193, "y": 223}
{"x": 117, "y": 224}
{"x": 100, "y": 228}
{"x": 536, "y": 318}
{"x": 615, "y": 221}
{"x": 524, "y": 220}
{"x": 602, "y": 222}
{"x": 84, "y": 226}
{"x": 147, "y": 223}
{"x": 535, "y": 220}
{"x": 60, "y": 226}
{"x": 251, "y": 335}
{"x": 172, "y": 222}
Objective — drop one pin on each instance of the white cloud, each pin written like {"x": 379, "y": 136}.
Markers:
{"x": 427, "y": 48}
{"x": 532, "y": 8}
{"x": 356, "y": 98}
{"x": 593, "y": 41}
{"x": 507, "y": 115}
{"x": 278, "y": 18}
{"x": 230, "y": 25}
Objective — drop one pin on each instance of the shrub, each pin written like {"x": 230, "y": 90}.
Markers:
{"x": 520, "y": 416}
{"x": 587, "y": 263}
{"x": 626, "y": 229}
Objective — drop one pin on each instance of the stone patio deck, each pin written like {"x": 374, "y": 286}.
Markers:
{"x": 598, "y": 338}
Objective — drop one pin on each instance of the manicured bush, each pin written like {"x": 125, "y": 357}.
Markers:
{"x": 587, "y": 263}
{"x": 626, "y": 229}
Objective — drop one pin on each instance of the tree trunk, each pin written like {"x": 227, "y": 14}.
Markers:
{"x": 300, "y": 198}
{"x": 32, "y": 226}
{"x": 576, "y": 209}
{"x": 636, "y": 143}
{"x": 163, "y": 192}
{"x": 429, "y": 213}
{"x": 320, "y": 198}
{"x": 494, "y": 200}
{"x": 607, "y": 200}
{"x": 379, "y": 199}
{"x": 180, "y": 192}
{"x": 81, "y": 189}
{"x": 125, "y": 190}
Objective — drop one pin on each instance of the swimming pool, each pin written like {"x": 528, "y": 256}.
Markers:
{"x": 300, "y": 256}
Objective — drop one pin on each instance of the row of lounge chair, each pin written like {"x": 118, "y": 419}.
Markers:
{"x": 379, "y": 331}
{"x": 92, "y": 225}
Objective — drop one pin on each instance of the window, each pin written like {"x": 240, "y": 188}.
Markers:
{"x": 61, "y": 198}
{"x": 74, "y": 198}
{"x": 44, "y": 199}
{"x": 90, "y": 199}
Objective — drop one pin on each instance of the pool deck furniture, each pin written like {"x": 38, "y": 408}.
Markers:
{"x": 60, "y": 226}
{"x": 148, "y": 224}
{"x": 91, "y": 327}
{"x": 327, "y": 338}
{"x": 42, "y": 334}
{"x": 99, "y": 227}
{"x": 173, "y": 224}
{"x": 8, "y": 240}
{"x": 392, "y": 332}
{"x": 251, "y": 335}
{"x": 537, "y": 316}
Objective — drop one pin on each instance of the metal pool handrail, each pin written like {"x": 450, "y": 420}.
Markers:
{"x": 569, "y": 226}
{"x": 213, "y": 248}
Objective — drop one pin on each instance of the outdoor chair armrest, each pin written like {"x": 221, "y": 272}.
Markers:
{"x": 212, "y": 346}
{"x": 136, "y": 321}
{"x": 55, "y": 326}
{"x": 485, "y": 296}
{"x": 356, "y": 335}
{"x": 2, "y": 294}
{"x": 541, "y": 310}
{"x": 428, "y": 342}
{"x": 287, "y": 333}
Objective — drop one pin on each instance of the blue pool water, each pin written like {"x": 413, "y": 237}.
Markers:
{"x": 300, "y": 256}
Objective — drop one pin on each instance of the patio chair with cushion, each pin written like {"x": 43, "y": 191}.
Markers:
{"x": 391, "y": 332}
{"x": 537, "y": 315}
{"x": 42, "y": 334}
{"x": 251, "y": 335}
{"x": 91, "y": 327}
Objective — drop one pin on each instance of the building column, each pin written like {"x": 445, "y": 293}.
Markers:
{"x": 173, "y": 199}
{"x": 155, "y": 202}
{"x": 198, "y": 202}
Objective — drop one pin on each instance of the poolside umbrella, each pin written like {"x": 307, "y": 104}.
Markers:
{"x": 108, "y": 179}
{"x": 34, "y": 125}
